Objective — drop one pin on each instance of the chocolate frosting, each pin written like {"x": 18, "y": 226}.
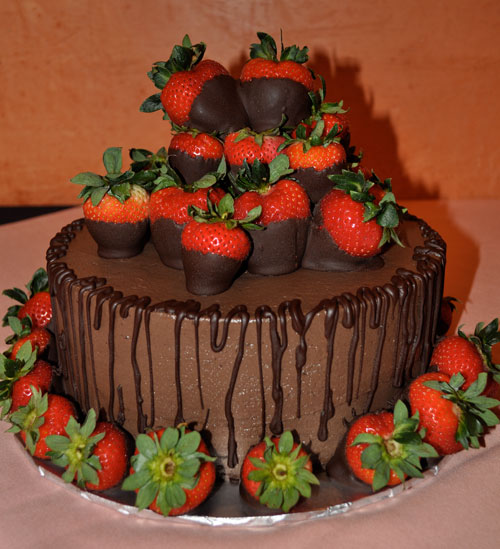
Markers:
{"x": 278, "y": 249}
{"x": 302, "y": 351}
{"x": 266, "y": 100}
{"x": 218, "y": 107}
{"x": 119, "y": 240}
{"x": 191, "y": 168}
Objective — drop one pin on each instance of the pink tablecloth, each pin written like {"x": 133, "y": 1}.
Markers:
{"x": 457, "y": 508}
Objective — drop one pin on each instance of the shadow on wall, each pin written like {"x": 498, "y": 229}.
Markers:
{"x": 371, "y": 133}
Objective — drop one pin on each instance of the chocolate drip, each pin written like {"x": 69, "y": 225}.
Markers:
{"x": 331, "y": 319}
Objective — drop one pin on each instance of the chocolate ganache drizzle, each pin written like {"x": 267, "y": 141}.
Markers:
{"x": 235, "y": 368}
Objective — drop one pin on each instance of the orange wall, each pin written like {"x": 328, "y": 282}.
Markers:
{"x": 421, "y": 78}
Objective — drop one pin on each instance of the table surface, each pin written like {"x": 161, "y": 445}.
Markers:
{"x": 457, "y": 508}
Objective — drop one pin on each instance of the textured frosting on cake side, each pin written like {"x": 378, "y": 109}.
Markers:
{"x": 300, "y": 352}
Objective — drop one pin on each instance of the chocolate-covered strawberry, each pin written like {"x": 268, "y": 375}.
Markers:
{"x": 285, "y": 216}
{"x": 214, "y": 246}
{"x": 351, "y": 225}
{"x": 116, "y": 209}
{"x": 275, "y": 91}
{"x": 169, "y": 205}
{"x": 248, "y": 146}
{"x": 196, "y": 93}
{"x": 193, "y": 154}
{"x": 314, "y": 157}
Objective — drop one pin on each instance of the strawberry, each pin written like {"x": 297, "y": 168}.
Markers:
{"x": 214, "y": 246}
{"x": 193, "y": 154}
{"x": 169, "y": 205}
{"x": 351, "y": 225}
{"x": 453, "y": 418}
{"x": 36, "y": 304}
{"x": 23, "y": 332}
{"x": 97, "y": 455}
{"x": 44, "y": 415}
{"x": 248, "y": 146}
{"x": 277, "y": 472}
{"x": 196, "y": 93}
{"x": 285, "y": 215}
{"x": 467, "y": 355}
{"x": 446, "y": 314}
{"x": 313, "y": 158}
{"x": 275, "y": 91}
{"x": 172, "y": 471}
{"x": 13, "y": 370}
{"x": 116, "y": 209}
{"x": 40, "y": 377}
{"x": 333, "y": 115}
{"x": 384, "y": 448}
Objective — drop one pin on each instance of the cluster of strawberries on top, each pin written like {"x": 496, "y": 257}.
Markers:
{"x": 259, "y": 174}
{"x": 172, "y": 470}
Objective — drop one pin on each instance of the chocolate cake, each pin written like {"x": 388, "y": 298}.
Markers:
{"x": 303, "y": 351}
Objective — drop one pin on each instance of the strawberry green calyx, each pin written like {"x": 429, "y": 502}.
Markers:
{"x": 38, "y": 283}
{"x": 114, "y": 183}
{"x": 267, "y": 49}
{"x": 387, "y": 212}
{"x": 319, "y": 106}
{"x": 400, "y": 452}
{"x": 260, "y": 176}
{"x": 475, "y": 413}
{"x": 223, "y": 213}
{"x": 184, "y": 57}
{"x": 30, "y": 418}
{"x": 74, "y": 451}
{"x": 164, "y": 467}
{"x": 282, "y": 474}
{"x": 484, "y": 338}
{"x": 314, "y": 139}
{"x": 13, "y": 369}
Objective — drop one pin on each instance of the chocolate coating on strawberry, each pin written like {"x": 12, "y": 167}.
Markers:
{"x": 118, "y": 240}
{"x": 269, "y": 101}
{"x": 316, "y": 182}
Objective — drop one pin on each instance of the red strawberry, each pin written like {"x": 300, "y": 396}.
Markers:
{"x": 384, "y": 448}
{"x": 172, "y": 471}
{"x": 285, "y": 215}
{"x": 276, "y": 91}
{"x": 248, "y": 146}
{"x": 12, "y": 370}
{"x": 214, "y": 247}
{"x": 467, "y": 355}
{"x": 277, "y": 472}
{"x": 36, "y": 304}
{"x": 40, "y": 377}
{"x": 193, "y": 154}
{"x": 116, "y": 209}
{"x": 351, "y": 225}
{"x": 43, "y": 416}
{"x": 314, "y": 158}
{"x": 97, "y": 455}
{"x": 169, "y": 210}
{"x": 453, "y": 418}
{"x": 39, "y": 339}
{"x": 196, "y": 93}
